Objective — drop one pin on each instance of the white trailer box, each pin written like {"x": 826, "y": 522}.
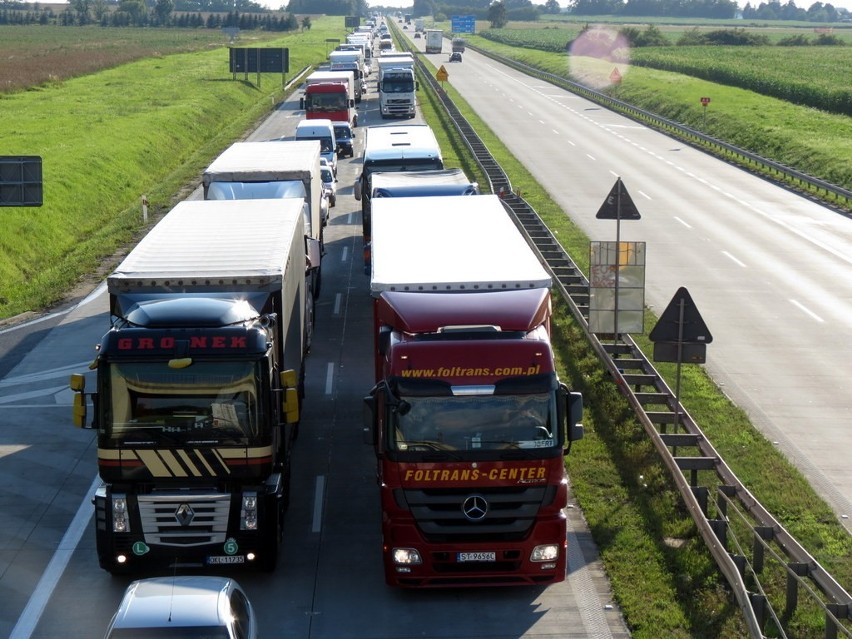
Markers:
{"x": 450, "y": 244}
{"x": 274, "y": 169}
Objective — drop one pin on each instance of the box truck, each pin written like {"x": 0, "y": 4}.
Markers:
{"x": 276, "y": 169}
{"x": 196, "y": 403}
{"x": 468, "y": 417}
{"x": 330, "y": 95}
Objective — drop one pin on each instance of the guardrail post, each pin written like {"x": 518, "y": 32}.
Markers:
{"x": 761, "y": 534}
{"x": 758, "y": 605}
{"x": 794, "y": 571}
{"x": 720, "y": 528}
{"x": 834, "y": 611}
{"x": 702, "y": 496}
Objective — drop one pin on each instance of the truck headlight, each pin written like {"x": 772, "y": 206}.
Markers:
{"x": 406, "y": 557}
{"x": 546, "y": 552}
{"x": 120, "y": 520}
{"x": 248, "y": 513}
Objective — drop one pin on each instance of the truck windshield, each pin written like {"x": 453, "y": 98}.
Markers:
{"x": 397, "y": 85}
{"x": 206, "y": 403}
{"x": 402, "y": 164}
{"x": 326, "y": 102}
{"x": 494, "y": 422}
{"x": 256, "y": 190}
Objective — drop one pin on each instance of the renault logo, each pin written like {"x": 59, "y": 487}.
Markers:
{"x": 475, "y": 508}
{"x": 184, "y": 514}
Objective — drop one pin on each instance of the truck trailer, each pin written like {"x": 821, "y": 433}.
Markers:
{"x": 434, "y": 40}
{"x": 276, "y": 169}
{"x": 198, "y": 381}
{"x": 331, "y": 95}
{"x": 350, "y": 61}
{"x": 468, "y": 417}
{"x": 402, "y": 147}
{"x": 433, "y": 183}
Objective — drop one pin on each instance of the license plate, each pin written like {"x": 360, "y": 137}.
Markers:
{"x": 476, "y": 556}
{"x": 226, "y": 559}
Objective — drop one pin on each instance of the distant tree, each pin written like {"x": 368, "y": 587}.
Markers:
{"x": 163, "y": 9}
{"x": 306, "y": 23}
{"x": 135, "y": 9}
{"x": 82, "y": 7}
{"x": 497, "y": 14}
{"x": 552, "y": 6}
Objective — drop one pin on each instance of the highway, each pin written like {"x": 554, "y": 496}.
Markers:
{"x": 769, "y": 271}
{"x": 329, "y": 581}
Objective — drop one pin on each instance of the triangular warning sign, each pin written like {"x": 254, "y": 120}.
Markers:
{"x": 618, "y": 205}
{"x": 442, "y": 74}
{"x": 681, "y": 322}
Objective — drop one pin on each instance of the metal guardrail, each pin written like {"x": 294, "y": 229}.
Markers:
{"x": 645, "y": 388}
{"x": 827, "y": 192}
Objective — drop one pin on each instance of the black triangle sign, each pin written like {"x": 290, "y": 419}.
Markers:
{"x": 618, "y": 205}
{"x": 694, "y": 329}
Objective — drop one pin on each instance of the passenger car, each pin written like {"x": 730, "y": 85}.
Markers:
{"x": 344, "y": 135}
{"x": 177, "y": 607}
{"x": 329, "y": 185}
{"x": 456, "y": 57}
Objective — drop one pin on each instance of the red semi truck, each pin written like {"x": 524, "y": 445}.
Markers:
{"x": 468, "y": 417}
{"x": 330, "y": 95}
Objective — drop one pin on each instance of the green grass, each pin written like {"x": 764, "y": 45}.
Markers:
{"x": 148, "y": 127}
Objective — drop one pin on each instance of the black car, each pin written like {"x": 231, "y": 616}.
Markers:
{"x": 344, "y": 135}
{"x": 455, "y": 57}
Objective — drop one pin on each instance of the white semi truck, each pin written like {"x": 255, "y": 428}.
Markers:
{"x": 397, "y": 86}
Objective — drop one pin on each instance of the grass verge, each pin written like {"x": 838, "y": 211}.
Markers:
{"x": 149, "y": 128}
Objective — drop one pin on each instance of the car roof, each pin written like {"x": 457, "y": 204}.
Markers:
{"x": 176, "y": 601}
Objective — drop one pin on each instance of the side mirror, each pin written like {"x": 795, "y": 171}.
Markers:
{"x": 78, "y": 410}
{"x": 368, "y": 419}
{"x": 575, "y": 414}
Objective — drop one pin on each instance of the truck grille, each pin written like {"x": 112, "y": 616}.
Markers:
{"x": 184, "y": 520}
{"x": 507, "y": 514}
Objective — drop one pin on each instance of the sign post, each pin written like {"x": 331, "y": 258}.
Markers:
{"x": 704, "y": 102}
{"x": 618, "y": 206}
{"x": 680, "y": 335}
{"x": 442, "y": 76}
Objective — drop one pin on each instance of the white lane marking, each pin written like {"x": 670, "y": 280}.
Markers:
{"x": 319, "y": 491}
{"x": 645, "y": 195}
{"x": 337, "y": 300}
{"x": 682, "y": 222}
{"x": 344, "y": 256}
{"x": 29, "y": 618}
{"x": 807, "y": 311}
{"x": 329, "y": 378}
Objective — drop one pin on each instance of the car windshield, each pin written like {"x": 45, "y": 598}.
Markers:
{"x": 326, "y": 175}
{"x": 342, "y": 132}
{"x": 186, "y": 632}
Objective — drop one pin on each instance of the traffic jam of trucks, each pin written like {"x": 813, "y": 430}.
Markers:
{"x": 200, "y": 376}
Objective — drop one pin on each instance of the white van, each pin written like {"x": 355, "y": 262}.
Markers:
{"x": 322, "y": 130}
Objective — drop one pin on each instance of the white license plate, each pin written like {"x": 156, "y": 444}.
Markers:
{"x": 475, "y": 556}
{"x": 226, "y": 559}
